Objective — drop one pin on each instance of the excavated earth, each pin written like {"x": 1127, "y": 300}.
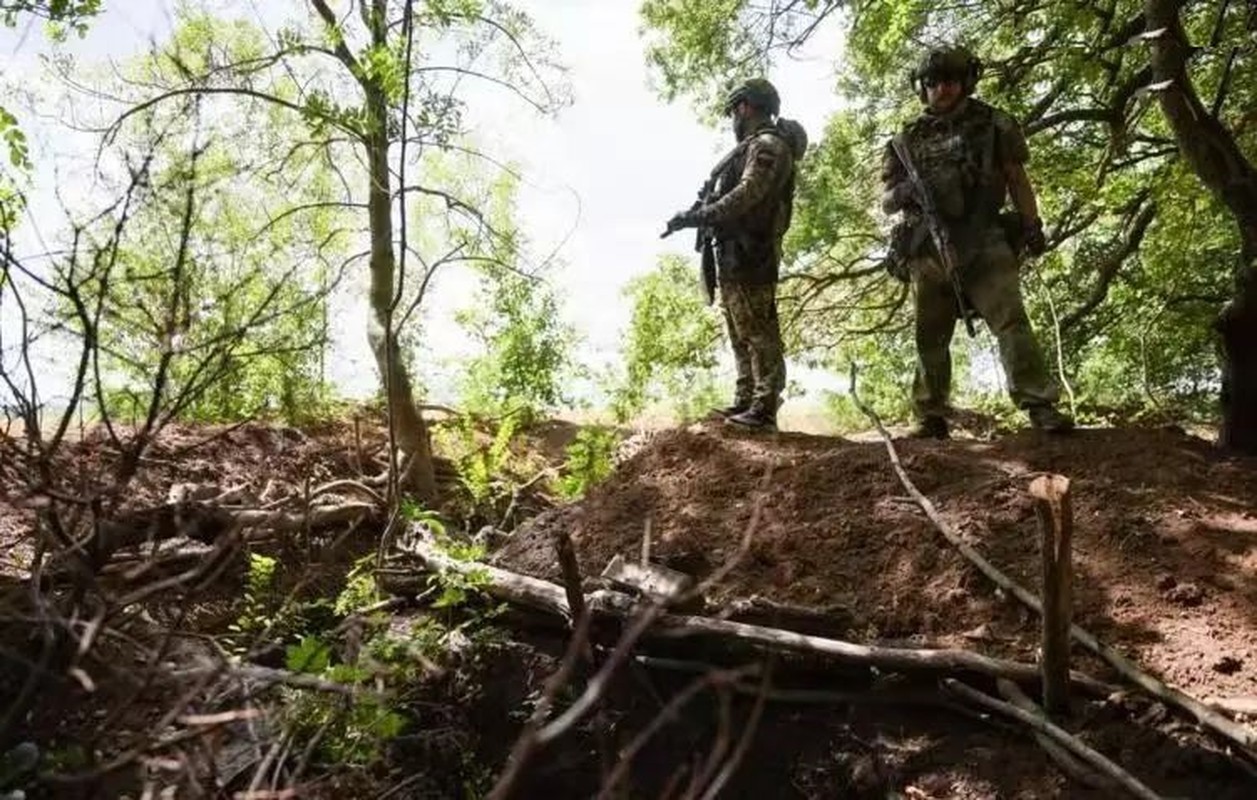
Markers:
{"x": 1165, "y": 563}
{"x": 1165, "y": 559}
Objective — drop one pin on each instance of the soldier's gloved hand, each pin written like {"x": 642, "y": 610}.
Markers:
{"x": 903, "y": 194}
{"x": 681, "y": 219}
{"x": 1033, "y": 236}
{"x": 898, "y": 268}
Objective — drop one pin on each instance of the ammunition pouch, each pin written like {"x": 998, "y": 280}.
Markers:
{"x": 908, "y": 240}
{"x": 1014, "y": 231}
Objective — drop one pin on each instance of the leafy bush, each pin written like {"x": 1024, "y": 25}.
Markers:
{"x": 590, "y": 459}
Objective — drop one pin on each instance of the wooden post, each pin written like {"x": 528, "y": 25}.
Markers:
{"x": 571, "y": 576}
{"x": 1056, "y": 522}
{"x": 573, "y": 588}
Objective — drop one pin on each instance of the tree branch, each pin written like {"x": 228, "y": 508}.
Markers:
{"x": 1108, "y": 269}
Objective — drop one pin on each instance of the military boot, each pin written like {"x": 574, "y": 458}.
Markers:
{"x": 735, "y": 408}
{"x": 1047, "y": 418}
{"x": 757, "y": 417}
{"x": 931, "y": 427}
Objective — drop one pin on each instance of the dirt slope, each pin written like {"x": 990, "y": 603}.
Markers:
{"x": 1165, "y": 544}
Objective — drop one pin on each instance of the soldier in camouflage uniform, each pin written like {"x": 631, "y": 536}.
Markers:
{"x": 748, "y": 215}
{"x": 971, "y": 157}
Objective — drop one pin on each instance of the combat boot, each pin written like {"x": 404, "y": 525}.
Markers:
{"x": 757, "y": 417}
{"x": 737, "y": 407}
{"x": 1047, "y": 418}
{"x": 931, "y": 427}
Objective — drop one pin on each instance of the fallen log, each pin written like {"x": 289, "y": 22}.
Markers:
{"x": 1242, "y": 736}
{"x": 551, "y": 598}
{"x": 830, "y": 621}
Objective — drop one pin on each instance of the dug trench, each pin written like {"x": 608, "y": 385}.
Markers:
{"x": 1165, "y": 562}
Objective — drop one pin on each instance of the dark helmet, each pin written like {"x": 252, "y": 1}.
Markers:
{"x": 759, "y": 93}
{"x": 955, "y": 62}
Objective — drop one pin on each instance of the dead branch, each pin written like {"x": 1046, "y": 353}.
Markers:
{"x": 670, "y": 712}
{"x": 1058, "y": 735}
{"x": 744, "y": 741}
{"x": 571, "y": 575}
{"x": 536, "y": 736}
{"x": 1240, "y": 735}
{"x": 319, "y": 517}
{"x": 1069, "y": 764}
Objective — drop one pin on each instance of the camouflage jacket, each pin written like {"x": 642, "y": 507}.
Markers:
{"x": 961, "y": 156}
{"x": 751, "y": 209}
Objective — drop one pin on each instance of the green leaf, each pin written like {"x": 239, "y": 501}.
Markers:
{"x": 312, "y": 656}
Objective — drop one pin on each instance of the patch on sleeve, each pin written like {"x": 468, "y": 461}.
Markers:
{"x": 764, "y": 153}
{"x": 1010, "y": 142}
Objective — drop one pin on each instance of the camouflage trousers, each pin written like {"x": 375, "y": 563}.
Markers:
{"x": 751, "y": 315}
{"x": 989, "y": 275}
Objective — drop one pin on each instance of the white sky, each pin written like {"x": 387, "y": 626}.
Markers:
{"x": 603, "y": 176}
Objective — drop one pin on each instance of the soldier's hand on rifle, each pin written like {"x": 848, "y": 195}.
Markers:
{"x": 1034, "y": 238}
{"x": 899, "y": 196}
{"x": 682, "y": 219}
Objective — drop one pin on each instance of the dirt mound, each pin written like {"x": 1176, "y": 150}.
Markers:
{"x": 1165, "y": 543}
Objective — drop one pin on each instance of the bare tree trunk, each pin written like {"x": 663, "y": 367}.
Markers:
{"x": 408, "y": 424}
{"x": 1213, "y": 154}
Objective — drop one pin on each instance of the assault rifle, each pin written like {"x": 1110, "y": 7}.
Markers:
{"x": 938, "y": 231}
{"x": 705, "y": 235}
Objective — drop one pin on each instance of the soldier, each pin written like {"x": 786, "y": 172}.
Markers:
{"x": 970, "y": 157}
{"x": 748, "y": 214}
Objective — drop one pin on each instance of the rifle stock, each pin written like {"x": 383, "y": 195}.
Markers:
{"x": 938, "y": 231}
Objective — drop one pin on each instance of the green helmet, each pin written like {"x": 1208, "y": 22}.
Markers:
{"x": 759, "y": 93}
{"x": 952, "y": 61}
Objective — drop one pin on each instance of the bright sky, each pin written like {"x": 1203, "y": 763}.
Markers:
{"x": 601, "y": 178}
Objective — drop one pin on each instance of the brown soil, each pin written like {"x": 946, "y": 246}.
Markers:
{"x": 1165, "y": 554}
{"x": 1165, "y": 561}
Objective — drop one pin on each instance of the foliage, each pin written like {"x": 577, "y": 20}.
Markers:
{"x": 481, "y": 451}
{"x": 394, "y": 660}
{"x": 525, "y": 356}
{"x": 215, "y": 306}
{"x": 62, "y": 17}
{"x": 260, "y": 602}
{"x": 361, "y": 590}
{"x": 1143, "y": 256}
{"x": 702, "y": 47}
{"x": 526, "y": 347}
{"x": 590, "y": 459}
{"x": 74, "y": 13}
{"x": 670, "y": 350}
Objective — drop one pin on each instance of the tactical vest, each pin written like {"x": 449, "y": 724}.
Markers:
{"x": 956, "y": 156}
{"x": 750, "y": 250}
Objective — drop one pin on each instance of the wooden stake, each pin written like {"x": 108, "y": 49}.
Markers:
{"x": 571, "y": 576}
{"x": 1056, "y": 523}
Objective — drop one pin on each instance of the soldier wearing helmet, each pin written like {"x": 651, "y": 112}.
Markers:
{"x": 746, "y": 215}
{"x": 971, "y": 158}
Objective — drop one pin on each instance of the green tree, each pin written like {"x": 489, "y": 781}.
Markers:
{"x": 671, "y": 346}
{"x": 1141, "y": 258}
{"x": 61, "y": 16}
{"x": 377, "y": 90}
{"x": 247, "y": 253}
{"x": 524, "y": 363}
